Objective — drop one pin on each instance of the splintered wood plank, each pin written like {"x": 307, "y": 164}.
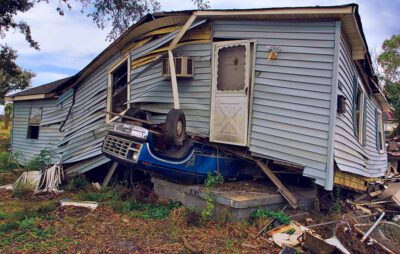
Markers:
{"x": 287, "y": 194}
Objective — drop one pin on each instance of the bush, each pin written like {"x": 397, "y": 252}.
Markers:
{"x": 41, "y": 161}
{"x": 280, "y": 216}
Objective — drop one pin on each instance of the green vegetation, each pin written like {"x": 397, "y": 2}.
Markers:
{"x": 101, "y": 196}
{"x": 41, "y": 161}
{"x": 143, "y": 210}
{"x": 279, "y": 216}
{"x": 23, "y": 190}
{"x": 389, "y": 60}
{"x": 25, "y": 223}
{"x": 211, "y": 181}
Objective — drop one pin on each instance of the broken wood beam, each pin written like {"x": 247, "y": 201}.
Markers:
{"x": 109, "y": 174}
{"x": 286, "y": 193}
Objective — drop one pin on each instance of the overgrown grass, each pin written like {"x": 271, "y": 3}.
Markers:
{"x": 100, "y": 196}
{"x": 9, "y": 161}
{"x": 23, "y": 190}
{"x": 144, "y": 210}
{"x": 24, "y": 223}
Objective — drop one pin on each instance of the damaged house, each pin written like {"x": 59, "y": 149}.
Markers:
{"x": 291, "y": 86}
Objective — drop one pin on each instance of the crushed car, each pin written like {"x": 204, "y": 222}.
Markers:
{"x": 165, "y": 149}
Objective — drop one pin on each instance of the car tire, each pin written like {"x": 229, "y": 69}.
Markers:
{"x": 175, "y": 128}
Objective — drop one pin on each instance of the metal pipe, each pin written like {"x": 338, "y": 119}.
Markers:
{"x": 373, "y": 227}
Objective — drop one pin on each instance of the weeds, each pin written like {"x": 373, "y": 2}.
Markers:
{"x": 9, "y": 161}
{"x": 41, "y": 161}
{"x": 23, "y": 190}
{"x": 280, "y": 216}
{"x": 20, "y": 226}
{"x": 102, "y": 196}
{"x": 211, "y": 181}
{"x": 143, "y": 210}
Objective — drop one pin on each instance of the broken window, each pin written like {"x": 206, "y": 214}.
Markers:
{"x": 119, "y": 88}
{"x": 359, "y": 102}
{"x": 380, "y": 137}
{"x": 35, "y": 116}
{"x": 231, "y": 68}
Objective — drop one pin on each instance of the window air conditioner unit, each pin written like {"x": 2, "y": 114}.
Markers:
{"x": 184, "y": 67}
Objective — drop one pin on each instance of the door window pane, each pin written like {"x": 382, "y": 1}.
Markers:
{"x": 231, "y": 68}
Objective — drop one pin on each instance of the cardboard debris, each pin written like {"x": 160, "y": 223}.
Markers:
{"x": 87, "y": 204}
{"x": 392, "y": 192}
{"x": 287, "y": 234}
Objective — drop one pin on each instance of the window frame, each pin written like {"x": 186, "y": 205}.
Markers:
{"x": 379, "y": 125}
{"x": 113, "y": 67}
{"x": 360, "y": 127}
{"x": 33, "y": 124}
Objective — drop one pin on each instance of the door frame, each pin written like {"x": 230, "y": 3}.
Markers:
{"x": 248, "y": 86}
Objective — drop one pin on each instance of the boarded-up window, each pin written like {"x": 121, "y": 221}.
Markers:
{"x": 35, "y": 116}
{"x": 231, "y": 68}
{"x": 119, "y": 88}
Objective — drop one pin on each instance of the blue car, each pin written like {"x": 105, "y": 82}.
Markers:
{"x": 188, "y": 162}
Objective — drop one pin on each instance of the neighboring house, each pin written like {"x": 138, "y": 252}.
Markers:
{"x": 293, "y": 85}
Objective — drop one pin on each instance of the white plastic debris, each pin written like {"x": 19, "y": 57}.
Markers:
{"x": 52, "y": 178}
{"x": 87, "y": 204}
{"x": 47, "y": 180}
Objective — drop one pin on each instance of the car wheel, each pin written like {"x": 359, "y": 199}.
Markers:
{"x": 175, "y": 128}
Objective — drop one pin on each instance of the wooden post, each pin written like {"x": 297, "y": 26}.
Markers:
{"x": 171, "y": 61}
{"x": 109, "y": 174}
{"x": 175, "y": 93}
{"x": 288, "y": 195}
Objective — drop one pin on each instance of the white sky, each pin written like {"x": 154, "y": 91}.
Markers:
{"x": 70, "y": 42}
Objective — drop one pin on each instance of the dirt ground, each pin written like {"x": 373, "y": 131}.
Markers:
{"x": 37, "y": 224}
{"x": 78, "y": 230}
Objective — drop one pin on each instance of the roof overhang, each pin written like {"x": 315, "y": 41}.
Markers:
{"x": 30, "y": 97}
{"x": 127, "y": 38}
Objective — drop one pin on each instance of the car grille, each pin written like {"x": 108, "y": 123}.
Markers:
{"x": 117, "y": 146}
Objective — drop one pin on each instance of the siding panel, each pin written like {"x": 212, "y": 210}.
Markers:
{"x": 350, "y": 156}
{"x": 291, "y": 97}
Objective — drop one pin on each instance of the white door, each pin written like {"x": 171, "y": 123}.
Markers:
{"x": 230, "y": 92}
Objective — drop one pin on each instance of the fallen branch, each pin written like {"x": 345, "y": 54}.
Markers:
{"x": 189, "y": 247}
